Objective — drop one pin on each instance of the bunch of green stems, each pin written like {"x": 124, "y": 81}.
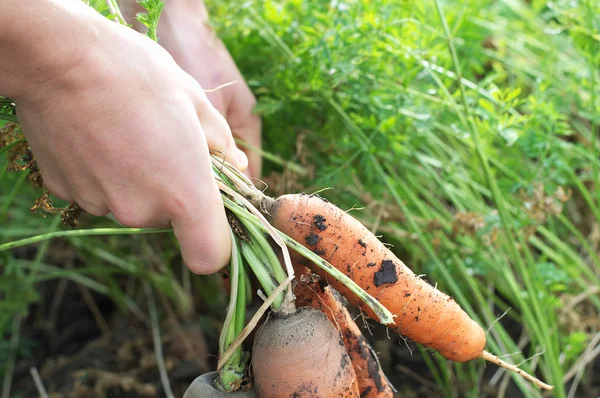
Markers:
{"x": 254, "y": 253}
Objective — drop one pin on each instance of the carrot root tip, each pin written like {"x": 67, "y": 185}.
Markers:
{"x": 494, "y": 359}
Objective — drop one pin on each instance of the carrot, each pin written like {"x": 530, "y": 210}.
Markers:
{"x": 372, "y": 382}
{"x": 301, "y": 354}
{"x": 422, "y": 313}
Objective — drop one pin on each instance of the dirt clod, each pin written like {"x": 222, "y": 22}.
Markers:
{"x": 312, "y": 239}
{"x": 70, "y": 215}
{"x": 387, "y": 273}
{"x": 237, "y": 227}
{"x": 319, "y": 222}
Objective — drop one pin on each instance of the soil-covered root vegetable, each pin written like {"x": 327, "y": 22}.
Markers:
{"x": 422, "y": 312}
{"x": 371, "y": 380}
{"x": 301, "y": 354}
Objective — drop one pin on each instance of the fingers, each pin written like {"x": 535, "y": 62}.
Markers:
{"x": 88, "y": 199}
{"x": 56, "y": 184}
{"x": 93, "y": 208}
{"x": 236, "y": 103}
{"x": 218, "y": 134}
{"x": 200, "y": 224}
{"x": 246, "y": 126}
{"x": 250, "y": 134}
{"x": 204, "y": 239}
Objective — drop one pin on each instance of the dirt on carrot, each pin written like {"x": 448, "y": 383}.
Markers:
{"x": 301, "y": 355}
{"x": 312, "y": 292}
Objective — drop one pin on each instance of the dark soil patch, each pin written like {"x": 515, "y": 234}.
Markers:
{"x": 386, "y": 274}
{"x": 75, "y": 359}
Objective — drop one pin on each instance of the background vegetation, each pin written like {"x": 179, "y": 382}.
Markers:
{"x": 465, "y": 133}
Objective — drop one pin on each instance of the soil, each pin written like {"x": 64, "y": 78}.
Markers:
{"x": 84, "y": 346}
{"x": 387, "y": 273}
{"x": 76, "y": 359}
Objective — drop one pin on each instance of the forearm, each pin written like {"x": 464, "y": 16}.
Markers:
{"x": 42, "y": 39}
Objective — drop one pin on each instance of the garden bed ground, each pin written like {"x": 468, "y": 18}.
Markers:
{"x": 106, "y": 353}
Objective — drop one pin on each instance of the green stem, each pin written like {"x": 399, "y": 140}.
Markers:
{"x": 13, "y": 194}
{"x": 582, "y": 239}
{"x": 555, "y": 370}
{"x": 12, "y": 356}
{"x": 8, "y": 118}
{"x": 595, "y": 138}
{"x": 234, "y": 272}
{"x": 241, "y": 301}
{"x": 385, "y": 316}
{"x": 231, "y": 374}
{"x": 80, "y": 232}
{"x": 262, "y": 272}
{"x": 265, "y": 251}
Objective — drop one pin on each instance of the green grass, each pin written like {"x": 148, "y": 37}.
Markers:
{"x": 468, "y": 131}
{"x": 441, "y": 110}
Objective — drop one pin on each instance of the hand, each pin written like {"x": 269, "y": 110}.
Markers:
{"x": 125, "y": 130}
{"x": 183, "y": 31}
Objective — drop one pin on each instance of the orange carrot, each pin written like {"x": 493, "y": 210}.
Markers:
{"x": 372, "y": 382}
{"x": 301, "y": 354}
{"x": 422, "y": 313}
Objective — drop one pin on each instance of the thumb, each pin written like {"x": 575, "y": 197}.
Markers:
{"x": 218, "y": 135}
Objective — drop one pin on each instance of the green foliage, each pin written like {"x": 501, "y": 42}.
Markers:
{"x": 370, "y": 90}
{"x": 7, "y": 110}
{"x": 150, "y": 18}
{"x": 575, "y": 343}
{"x": 99, "y": 5}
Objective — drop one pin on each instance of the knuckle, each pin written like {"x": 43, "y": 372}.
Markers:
{"x": 91, "y": 206}
{"x": 95, "y": 210}
{"x": 249, "y": 97}
{"x": 176, "y": 206}
{"x": 131, "y": 220}
{"x": 57, "y": 189}
{"x": 59, "y": 192}
{"x": 128, "y": 216}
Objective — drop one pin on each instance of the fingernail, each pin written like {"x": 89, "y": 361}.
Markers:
{"x": 242, "y": 160}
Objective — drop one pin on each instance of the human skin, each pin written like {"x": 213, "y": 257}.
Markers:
{"x": 184, "y": 31}
{"x": 115, "y": 124}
